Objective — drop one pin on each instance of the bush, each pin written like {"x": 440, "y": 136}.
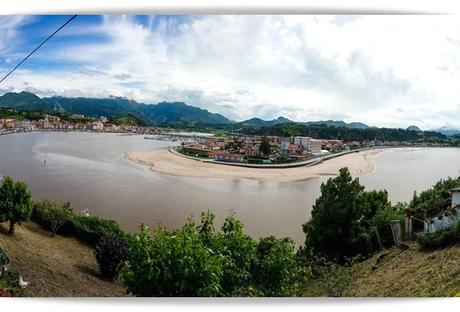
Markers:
{"x": 87, "y": 229}
{"x": 276, "y": 271}
{"x": 172, "y": 263}
{"x": 440, "y": 238}
{"x": 199, "y": 261}
{"x": 91, "y": 229}
{"x": 110, "y": 253}
{"x": 51, "y": 215}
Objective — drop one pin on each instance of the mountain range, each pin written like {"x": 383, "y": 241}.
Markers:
{"x": 161, "y": 113}
{"x": 154, "y": 114}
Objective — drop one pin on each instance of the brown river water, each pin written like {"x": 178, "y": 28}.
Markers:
{"x": 88, "y": 170}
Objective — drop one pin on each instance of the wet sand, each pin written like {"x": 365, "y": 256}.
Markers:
{"x": 166, "y": 162}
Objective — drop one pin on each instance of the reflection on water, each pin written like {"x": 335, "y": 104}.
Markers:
{"x": 89, "y": 171}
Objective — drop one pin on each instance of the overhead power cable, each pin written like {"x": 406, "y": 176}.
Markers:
{"x": 38, "y": 47}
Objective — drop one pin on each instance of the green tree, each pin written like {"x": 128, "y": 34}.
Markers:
{"x": 55, "y": 213}
{"x": 15, "y": 202}
{"x": 340, "y": 225}
{"x": 276, "y": 270}
{"x": 237, "y": 249}
{"x": 171, "y": 263}
{"x": 265, "y": 147}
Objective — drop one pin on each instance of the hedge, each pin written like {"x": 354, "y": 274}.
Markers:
{"x": 440, "y": 238}
{"x": 87, "y": 229}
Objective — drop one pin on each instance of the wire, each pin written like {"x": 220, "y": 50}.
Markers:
{"x": 38, "y": 47}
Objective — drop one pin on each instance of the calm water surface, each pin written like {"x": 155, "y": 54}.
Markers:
{"x": 88, "y": 170}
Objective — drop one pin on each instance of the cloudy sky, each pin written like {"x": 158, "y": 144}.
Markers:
{"x": 391, "y": 71}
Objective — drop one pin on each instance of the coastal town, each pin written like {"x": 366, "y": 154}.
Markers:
{"x": 228, "y": 148}
{"x": 76, "y": 122}
{"x": 240, "y": 148}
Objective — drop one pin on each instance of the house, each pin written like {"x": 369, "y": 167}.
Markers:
{"x": 455, "y": 197}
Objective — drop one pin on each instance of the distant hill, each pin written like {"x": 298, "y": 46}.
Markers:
{"x": 161, "y": 113}
{"x": 447, "y": 131}
{"x": 129, "y": 119}
{"x": 338, "y": 124}
{"x": 28, "y": 101}
{"x": 413, "y": 128}
{"x": 261, "y": 122}
{"x": 283, "y": 120}
{"x": 164, "y": 113}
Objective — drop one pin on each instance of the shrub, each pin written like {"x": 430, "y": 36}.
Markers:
{"x": 87, "y": 229}
{"x": 239, "y": 250}
{"x": 276, "y": 271}
{"x": 109, "y": 253}
{"x": 51, "y": 215}
{"x": 171, "y": 263}
{"x": 91, "y": 229}
{"x": 440, "y": 238}
{"x": 198, "y": 261}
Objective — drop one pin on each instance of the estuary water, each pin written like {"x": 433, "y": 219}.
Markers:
{"x": 89, "y": 171}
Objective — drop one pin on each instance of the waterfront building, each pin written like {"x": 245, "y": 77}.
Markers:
{"x": 303, "y": 141}
{"x": 315, "y": 146}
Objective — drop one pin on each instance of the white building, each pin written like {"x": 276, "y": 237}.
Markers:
{"x": 303, "y": 141}
{"x": 97, "y": 125}
{"x": 455, "y": 197}
{"x": 311, "y": 145}
{"x": 315, "y": 147}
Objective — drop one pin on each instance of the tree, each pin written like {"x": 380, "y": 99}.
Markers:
{"x": 239, "y": 250}
{"x": 265, "y": 147}
{"x": 15, "y": 202}
{"x": 199, "y": 261}
{"x": 171, "y": 263}
{"x": 56, "y": 214}
{"x": 276, "y": 270}
{"x": 341, "y": 219}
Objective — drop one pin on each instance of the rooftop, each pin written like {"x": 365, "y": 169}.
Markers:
{"x": 456, "y": 189}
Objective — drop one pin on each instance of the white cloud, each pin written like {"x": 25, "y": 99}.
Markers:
{"x": 382, "y": 70}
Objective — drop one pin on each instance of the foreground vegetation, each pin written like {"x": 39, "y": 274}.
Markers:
{"x": 341, "y": 255}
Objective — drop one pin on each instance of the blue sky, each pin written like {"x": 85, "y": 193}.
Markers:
{"x": 391, "y": 71}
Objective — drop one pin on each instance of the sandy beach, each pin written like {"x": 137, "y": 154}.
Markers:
{"x": 164, "y": 161}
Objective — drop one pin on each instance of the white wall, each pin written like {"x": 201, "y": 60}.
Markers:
{"x": 455, "y": 198}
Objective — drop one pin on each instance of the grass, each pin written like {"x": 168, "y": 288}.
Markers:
{"x": 55, "y": 266}
{"x": 399, "y": 273}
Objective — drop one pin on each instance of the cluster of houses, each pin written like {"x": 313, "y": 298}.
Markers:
{"x": 242, "y": 148}
{"x": 56, "y": 123}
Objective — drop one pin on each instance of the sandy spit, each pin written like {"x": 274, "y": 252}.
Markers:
{"x": 164, "y": 161}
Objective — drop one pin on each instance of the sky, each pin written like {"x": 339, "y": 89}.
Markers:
{"x": 385, "y": 71}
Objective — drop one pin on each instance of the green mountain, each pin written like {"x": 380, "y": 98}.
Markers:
{"x": 447, "y": 131}
{"x": 261, "y": 122}
{"x": 28, "y": 101}
{"x": 283, "y": 120}
{"x": 338, "y": 124}
{"x": 413, "y": 128}
{"x": 162, "y": 113}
